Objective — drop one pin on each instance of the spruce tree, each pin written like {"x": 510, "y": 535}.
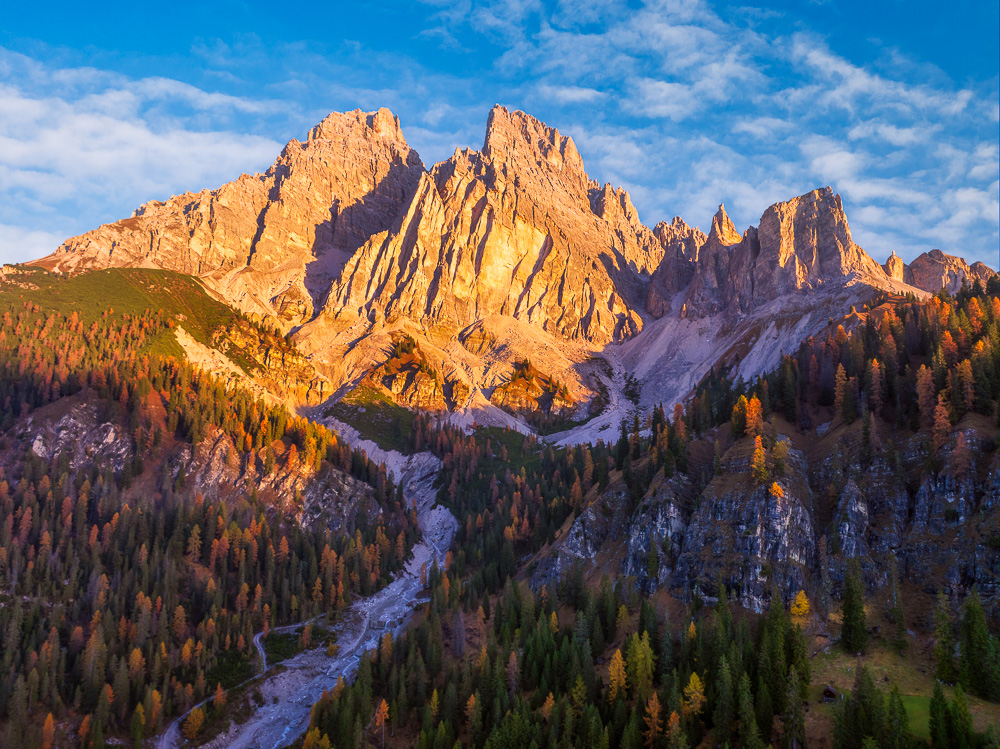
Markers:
{"x": 794, "y": 721}
{"x": 897, "y": 725}
{"x": 978, "y": 669}
{"x": 722, "y": 717}
{"x": 764, "y": 708}
{"x": 960, "y": 720}
{"x": 944, "y": 642}
{"x": 939, "y": 719}
{"x": 854, "y": 633}
{"x": 749, "y": 733}
{"x": 861, "y": 716}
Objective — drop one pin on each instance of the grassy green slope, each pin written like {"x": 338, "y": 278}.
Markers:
{"x": 124, "y": 291}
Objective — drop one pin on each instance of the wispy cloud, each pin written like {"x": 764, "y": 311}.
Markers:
{"x": 83, "y": 147}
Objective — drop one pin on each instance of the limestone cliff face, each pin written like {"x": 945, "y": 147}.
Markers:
{"x": 895, "y": 268}
{"x": 271, "y": 243}
{"x": 800, "y": 244}
{"x": 746, "y": 535}
{"x": 943, "y": 532}
{"x": 517, "y": 229}
{"x": 681, "y": 246}
{"x": 934, "y": 270}
{"x": 76, "y": 428}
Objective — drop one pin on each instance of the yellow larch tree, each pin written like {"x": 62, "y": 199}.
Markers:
{"x": 617, "y": 680}
{"x": 694, "y": 696}
{"x": 800, "y": 606}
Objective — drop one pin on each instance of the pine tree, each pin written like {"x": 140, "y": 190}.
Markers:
{"x": 192, "y": 725}
{"x": 617, "y": 679}
{"x": 219, "y": 700}
{"x": 694, "y": 697}
{"x": 854, "y": 633}
{"x": 942, "y": 423}
{"x": 960, "y": 720}
{"x": 926, "y": 400}
{"x": 640, "y": 664}
{"x": 761, "y": 475}
{"x": 897, "y": 725}
{"x": 754, "y": 417}
{"x": 654, "y": 722}
{"x": 749, "y": 733}
{"x": 978, "y": 669}
{"x": 722, "y": 717}
{"x": 739, "y": 417}
{"x": 939, "y": 719}
{"x": 764, "y": 707}
{"x": 381, "y": 714}
{"x": 138, "y": 726}
{"x": 944, "y": 642}
{"x": 794, "y": 729}
{"x": 800, "y": 607}
{"x": 839, "y": 387}
{"x": 675, "y": 734}
{"x": 48, "y": 732}
{"x": 860, "y": 717}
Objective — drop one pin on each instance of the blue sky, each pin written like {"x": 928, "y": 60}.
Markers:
{"x": 687, "y": 104}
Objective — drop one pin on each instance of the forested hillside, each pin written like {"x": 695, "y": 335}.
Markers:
{"x": 128, "y": 593}
{"x": 702, "y": 576}
{"x": 527, "y": 642}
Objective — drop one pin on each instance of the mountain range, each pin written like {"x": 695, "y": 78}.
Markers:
{"x": 497, "y": 256}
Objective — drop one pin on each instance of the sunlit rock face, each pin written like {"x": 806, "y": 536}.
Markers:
{"x": 934, "y": 270}
{"x": 516, "y": 229}
{"x": 800, "y": 244}
{"x": 348, "y": 240}
{"x": 271, "y": 243}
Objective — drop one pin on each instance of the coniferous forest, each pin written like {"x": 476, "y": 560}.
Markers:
{"x": 128, "y": 596}
{"x": 495, "y": 661}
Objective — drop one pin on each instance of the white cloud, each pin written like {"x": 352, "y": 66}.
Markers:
{"x": 18, "y": 245}
{"x": 655, "y": 98}
{"x": 570, "y": 94}
{"x": 764, "y": 128}
{"x": 105, "y": 151}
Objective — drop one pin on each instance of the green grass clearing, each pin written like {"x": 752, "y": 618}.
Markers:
{"x": 919, "y": 711}
{"x": 837, "y": 669}
{"x": 376, "y": 417}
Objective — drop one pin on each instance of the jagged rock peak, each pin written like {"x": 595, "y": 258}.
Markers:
{"x": 381, "y": 122}
{"x": 610, "y": 203}
{"x": 894, "y": 267}
{"x": 519, "y": 137}
{"x": 681, "y": 247}
{"x": 723, "y": 228}
{"x": 801, "y": 243}
{"x": 934, "y": 270}
{"x": 677, "y": 227}
{"x": 321, "y": 200}
{"x": 811, "y": 233}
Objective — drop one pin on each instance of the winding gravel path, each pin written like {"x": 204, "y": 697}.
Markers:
{"x": 290, "y": 693}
